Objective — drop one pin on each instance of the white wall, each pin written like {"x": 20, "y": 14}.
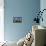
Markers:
{"x": 1, "y": 20}
{"x": 43, "y": 6}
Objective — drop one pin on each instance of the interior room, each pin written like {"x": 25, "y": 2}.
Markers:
{"x": 22, "y": 22}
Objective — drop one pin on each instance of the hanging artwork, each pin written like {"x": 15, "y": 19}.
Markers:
{"x": 17, "y": 19}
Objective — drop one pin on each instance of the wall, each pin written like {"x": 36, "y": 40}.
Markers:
{"x": 24, "y": 8}
{"x": 1, "y": 20}
{"x": 43, "y": 6}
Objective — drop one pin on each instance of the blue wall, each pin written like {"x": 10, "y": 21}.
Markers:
{"x": 22, "y": 8}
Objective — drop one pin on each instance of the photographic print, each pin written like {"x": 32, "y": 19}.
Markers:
{"x": 17, "y": 19}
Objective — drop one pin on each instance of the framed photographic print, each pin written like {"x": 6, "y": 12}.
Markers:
{"x": 17, "y": 19}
